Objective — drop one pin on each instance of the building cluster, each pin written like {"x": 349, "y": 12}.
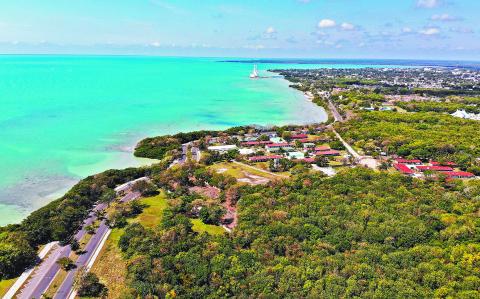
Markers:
{"x": 268, "y": 146}
{"x": 409, "y": 78}
{"x": 416, "y": 168}
{"x": 466, "y": 115}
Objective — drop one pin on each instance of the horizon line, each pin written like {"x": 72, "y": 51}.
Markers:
{"x": 241, "y": 57}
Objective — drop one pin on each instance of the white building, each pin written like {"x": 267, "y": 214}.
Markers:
{"x": 222, "y": 148}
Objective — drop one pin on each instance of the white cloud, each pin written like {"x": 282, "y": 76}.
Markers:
{"x": 167, "y": 6}
{"x": 428, "y": 3}
{"x": 347, "y": 26}
{"x": 430, "y": 31}
{"x": 270, "y": 30}
{"x": 254, "y": 47}
{"x": 155, "y": 44}
{"x": 327, "y": 23}
{"x": 443, "y": 17}
{"x": 407, "y": 30}
{"x": 461, "y": 30}
{"x": 325, "y": 42}
{"x": 269, "y": 33}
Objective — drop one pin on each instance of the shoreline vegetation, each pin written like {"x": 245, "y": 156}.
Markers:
{"x": 62, "y": 217}
{"x": 360, "y": 233}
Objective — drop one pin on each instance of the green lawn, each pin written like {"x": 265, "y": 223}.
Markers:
{"x": 110, "y": 267}
{"x": 238, "y": 171}
{"x": 201, "y": 227}
{"x": 152, "y": 214}
{"x": 5, "y": 285}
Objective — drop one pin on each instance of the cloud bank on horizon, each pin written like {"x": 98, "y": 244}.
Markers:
{"x": 436, "y": 29}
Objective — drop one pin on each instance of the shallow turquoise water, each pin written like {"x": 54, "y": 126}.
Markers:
{"x": 65, "y": 117}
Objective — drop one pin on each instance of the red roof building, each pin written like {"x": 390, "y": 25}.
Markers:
{"x": 322, "y": 148}
{"x": 403, "y": 169}
{"x": 327, "y": 153}
{"x": 277, "y": 145}
{"x": 303, "y": 140}
{"x": 299, "y": 136}
{"x": 256, "y": 143}
{"x": 435, "y": 163}
{"x": 423, "y": 168}
{"x": 407, "y": 161}
{"x": 459, "y": 175}
{"x": 264, "y": 158}
{"x": 309, "y": 160}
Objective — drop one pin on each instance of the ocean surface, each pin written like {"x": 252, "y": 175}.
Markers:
{"x": 66, "y": 117}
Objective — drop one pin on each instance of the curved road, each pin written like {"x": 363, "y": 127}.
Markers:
{"x": 66, "y": 289}
{"x": 45, "y": 273}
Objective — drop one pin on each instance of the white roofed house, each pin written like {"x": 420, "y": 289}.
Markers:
{"x": 222, "y": 148}
{"x": 246, "y": 151}
{"x": 296, "y": 155}
{"x": 122, "y": 189}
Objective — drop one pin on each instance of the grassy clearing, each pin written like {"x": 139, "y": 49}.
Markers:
{"x": 335, "y": 164}
{"x": 110, "y": 266}
{"x": 400, "y": 110}
{"x": 266, "y": 166}
{"x": 201, "y": 227}
{"x": 238, "y": 171}
{"x": 5, "y": 285}
{"x": 152, "y": 214}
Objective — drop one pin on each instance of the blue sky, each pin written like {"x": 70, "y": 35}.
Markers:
{"x": 423, "y": 29}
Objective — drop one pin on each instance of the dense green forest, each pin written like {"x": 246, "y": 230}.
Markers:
{"x": 58, "y": 220}
{"x": 358, "y": 98}
{"x": 359, "y": 234}
{"x": 158, "y": 147}
{"x": 417, "y": 135}
{"x": 438, "y": 106}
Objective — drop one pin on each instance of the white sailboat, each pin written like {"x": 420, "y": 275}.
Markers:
{"x": 254, "y": 74}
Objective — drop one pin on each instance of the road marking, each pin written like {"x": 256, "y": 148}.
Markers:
{"x": 98, "y": 249}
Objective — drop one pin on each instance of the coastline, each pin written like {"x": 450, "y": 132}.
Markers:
{"x": 120, "y": 155}
{"x": 308, "y": 95}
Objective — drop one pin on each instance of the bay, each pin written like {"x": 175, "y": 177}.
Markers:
{"x": 66, "y": 117}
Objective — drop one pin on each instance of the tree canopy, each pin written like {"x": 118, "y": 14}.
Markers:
{"x": 358, "y": 234}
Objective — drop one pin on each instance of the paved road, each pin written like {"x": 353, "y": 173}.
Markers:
{"x": 183, "y": 159}
{"x": 66, "y": 289}
{"x": 67, "y": 285}
{"x": 362, "y": 160}
{"x": 43, "y": 276}
{"x": 26, "y": 275}
{"x": 337, "y": 116}
{"x": 196, "y": 154}
{"x": 347, "y": 146}
{"x": 367, "y": 161}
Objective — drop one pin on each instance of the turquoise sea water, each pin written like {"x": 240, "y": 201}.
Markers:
{"x": 65, "y": 117}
